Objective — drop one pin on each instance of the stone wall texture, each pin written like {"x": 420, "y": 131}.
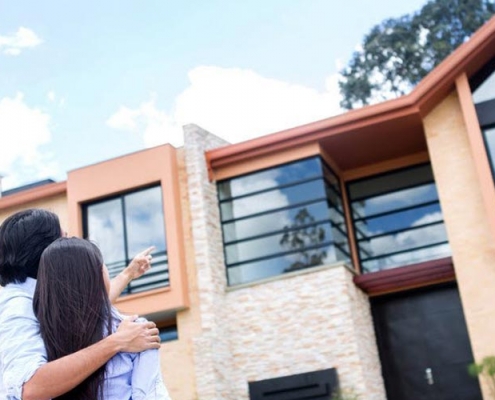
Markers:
{"x": 300, "y": 322}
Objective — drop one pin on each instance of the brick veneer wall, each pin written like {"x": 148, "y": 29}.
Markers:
{"x": 468, "y": 227}
{"x": 303, "y": 321}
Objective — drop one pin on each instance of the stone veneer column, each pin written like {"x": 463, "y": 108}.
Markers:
{"x": 211, "y": 353}
{"x": 468, "y": 230}
{"x": 299, "y": 322}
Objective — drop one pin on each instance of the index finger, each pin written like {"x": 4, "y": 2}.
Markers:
{"x": 147, "y": 251}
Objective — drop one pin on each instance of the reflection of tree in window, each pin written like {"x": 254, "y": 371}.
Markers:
{"x": 302, "y": 236}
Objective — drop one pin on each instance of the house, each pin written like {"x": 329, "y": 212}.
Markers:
{"x": 356, "y": 251}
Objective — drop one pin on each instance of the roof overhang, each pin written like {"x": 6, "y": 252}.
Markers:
{"x": 388, "y": 130}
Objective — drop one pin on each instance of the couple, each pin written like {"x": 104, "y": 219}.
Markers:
{"x": 59, "y": 335}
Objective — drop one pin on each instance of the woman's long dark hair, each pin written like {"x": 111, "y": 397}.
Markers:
{"x": 72, "y": 305}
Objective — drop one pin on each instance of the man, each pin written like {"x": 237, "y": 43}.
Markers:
{"x": 26, "y": 374}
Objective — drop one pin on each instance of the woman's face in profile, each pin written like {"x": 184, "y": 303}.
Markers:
{"x": 106, "y": 277}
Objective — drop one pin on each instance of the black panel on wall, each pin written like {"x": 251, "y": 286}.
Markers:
{"x": 316, "y": 385}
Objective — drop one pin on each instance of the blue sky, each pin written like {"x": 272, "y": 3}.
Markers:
{"x": 81, "y": 82}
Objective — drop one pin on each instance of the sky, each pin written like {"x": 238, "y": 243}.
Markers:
{"x": 82, "y": 82}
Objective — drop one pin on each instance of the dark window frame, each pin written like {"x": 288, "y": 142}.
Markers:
{"x": 485, "y": 110}
{"x": 355, "y": 229}
{"x": 322, "y": 175}
{"x": 135, "y": 286}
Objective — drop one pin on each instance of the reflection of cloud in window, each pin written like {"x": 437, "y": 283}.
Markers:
{"x": 252, "y": 227}
{"x": 410, "y": 239}
{"x": 145, "y": 222}
{"x": 401, "y": 198}
{"x": 105, "y": 228}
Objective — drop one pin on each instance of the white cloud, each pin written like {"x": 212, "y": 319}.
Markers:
{"x": 235, "y": 104}
{"x": 13, "y": 44}
{"x": 23, "y": 130}
{"x": 52, "y": 97}
{"x": 155, "y": 125}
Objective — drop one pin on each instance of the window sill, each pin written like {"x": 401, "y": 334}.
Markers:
{"x": 288, "y": 275}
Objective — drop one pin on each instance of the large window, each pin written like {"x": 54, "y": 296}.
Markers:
{"x": 124, "y": 225}
{"x": 282, "y": 219}
{"x": 397, "y": 219}
{"x": 484, "y": 99}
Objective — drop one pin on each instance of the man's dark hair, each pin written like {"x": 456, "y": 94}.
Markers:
{"x": 23, "y": 237}
{"x": 72, "y": 306}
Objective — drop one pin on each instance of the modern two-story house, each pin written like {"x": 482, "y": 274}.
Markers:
{"x": 356, "y": 252}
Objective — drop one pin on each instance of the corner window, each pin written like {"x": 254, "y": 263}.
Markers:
{"x": 282, "y": 219}
{"x": 397, "y": 219}
{"x": 124, "y": 225}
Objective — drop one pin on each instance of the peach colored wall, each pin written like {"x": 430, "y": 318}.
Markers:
{"x": 177, "y": 357}
{"x": 468, "y": 228}
{"x": 56, "y": 204}
{"x": 129, "y": 172}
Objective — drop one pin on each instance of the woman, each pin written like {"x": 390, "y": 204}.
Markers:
{"x": 72, "y": 305}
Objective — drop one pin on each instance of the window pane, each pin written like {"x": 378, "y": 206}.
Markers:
{"x": 397, "y": 219}
{"x": 272, "y": 200}
{"x": 105, "y": 227}
{"x": 145, "y": 221}
{"x": 490, "y": 146}
{"x": 257, "y": 270}
{"x": 133, "y": 221}
{"x": 486, "y": 91}
{"x": 256, "y": 226}
{"x": 270, "y": 178}
{"x": 391, "y": 222}
{"x": 381, "y": 184}
{"x": 300, "y": 241}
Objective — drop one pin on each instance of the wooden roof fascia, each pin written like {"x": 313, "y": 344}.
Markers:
{"x": 467, "y": 58}
{"x": 352, "y": 120}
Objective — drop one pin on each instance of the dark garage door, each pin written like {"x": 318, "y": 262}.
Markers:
{"x": 424, "y": 346}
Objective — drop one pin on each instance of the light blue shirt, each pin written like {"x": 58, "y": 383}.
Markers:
{"x": 135, "y": 376}
{"x": 22, "y": 352}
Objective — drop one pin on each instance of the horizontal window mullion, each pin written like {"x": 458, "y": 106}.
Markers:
{"x": 279, "y": 254}
{"x": 367, "y": 197}
{"x": 336, "y": 225}
{"x": 385, "y": 255}
{"x": 411, "y": 228}
{"x": 273, "y": 211}
{"x": 279, "y": 231}
{"x": 341, "y": 247}
{"x": 396, "y": 211}
{"x": 270, "y": 189}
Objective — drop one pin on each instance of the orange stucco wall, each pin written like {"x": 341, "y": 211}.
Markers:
{"x": 122, "y": 174}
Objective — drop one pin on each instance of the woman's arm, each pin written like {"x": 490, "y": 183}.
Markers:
{"x": 57, "y": 377}
{"x": 138, "y": 266}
